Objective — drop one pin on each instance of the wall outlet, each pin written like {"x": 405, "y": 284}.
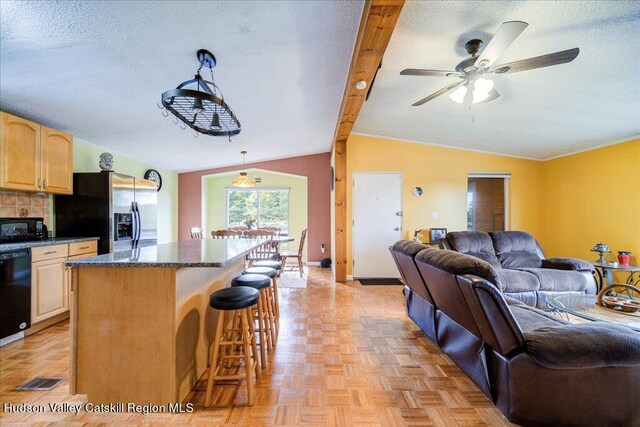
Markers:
{"x": 435, "y": 215}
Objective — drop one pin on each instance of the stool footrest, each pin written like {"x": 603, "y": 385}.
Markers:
{"x": 231, "y": 342}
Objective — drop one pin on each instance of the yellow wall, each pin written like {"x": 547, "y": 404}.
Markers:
{"x": 590, "y": 197}
{"x": 442, "y": 174}
{"x": 214, "y": 201}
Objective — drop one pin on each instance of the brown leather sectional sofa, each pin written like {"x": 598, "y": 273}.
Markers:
{"x": 537, "y": 368}
{"x": 523, "y": 272}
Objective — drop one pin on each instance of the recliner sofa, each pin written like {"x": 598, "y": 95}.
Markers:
{"x": 523, "y": 271}
{"x": 536, "y": 367}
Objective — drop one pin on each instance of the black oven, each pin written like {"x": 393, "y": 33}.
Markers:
{"x": 22, "y": 229}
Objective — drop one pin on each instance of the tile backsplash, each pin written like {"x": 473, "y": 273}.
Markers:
{"x": 15, "y": 204}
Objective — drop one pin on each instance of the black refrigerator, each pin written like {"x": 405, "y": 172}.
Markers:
{"x": 121, "y": 210}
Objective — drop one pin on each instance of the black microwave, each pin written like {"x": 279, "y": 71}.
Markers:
{"x": 22, "y": 229}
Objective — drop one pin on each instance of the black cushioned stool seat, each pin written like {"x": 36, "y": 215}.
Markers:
{"x": 265, "y": 271}
{"x": 266, "y": 263}
{"x": 257, "y": 281}
{"x": 234, "y": 298}
{"x": 234, "y": 339}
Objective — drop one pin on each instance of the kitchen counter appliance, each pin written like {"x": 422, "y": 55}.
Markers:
{"x": 22, "y": 229}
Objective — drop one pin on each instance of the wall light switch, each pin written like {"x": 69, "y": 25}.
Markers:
{"x": 435, "y": 215}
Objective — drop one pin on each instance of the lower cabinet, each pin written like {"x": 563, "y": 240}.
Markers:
{"x": 49, "y": 289}
{"x": 50, "y": 279}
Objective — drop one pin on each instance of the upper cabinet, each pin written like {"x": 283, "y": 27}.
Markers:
{"x": 57, "y": 161}
{"x": 34, "y": 157}
{"x": 19, "y": 153}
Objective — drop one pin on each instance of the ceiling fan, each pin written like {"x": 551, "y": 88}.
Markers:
{"x": 474, "y": 85}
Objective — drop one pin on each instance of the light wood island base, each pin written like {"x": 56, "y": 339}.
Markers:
{"x": 142, "y": 334}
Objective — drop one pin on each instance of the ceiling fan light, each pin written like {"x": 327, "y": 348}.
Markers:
{"x": 215, "y": 122}
{"x": 483, "y": 85}
{"x": 459, "y": 94}
{"x": 479, "y": 96}
{"x": 197, "y": 106}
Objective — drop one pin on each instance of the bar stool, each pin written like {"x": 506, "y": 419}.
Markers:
{"x": 233, "y": 306}
{"x": 277, "y": 265}
{"x": 273, "y": 274}
{"x": 264, "y": 311}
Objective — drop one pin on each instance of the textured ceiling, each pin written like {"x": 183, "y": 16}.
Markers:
{"x": 542, "y": 113}
{"x": 97, "y": 69}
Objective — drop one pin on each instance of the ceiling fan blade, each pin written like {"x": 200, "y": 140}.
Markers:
{"x": 437, "y": 94}
{"x": 493, "y": 94}
{"x": 434, "y": 73}
{"x": 506, "y": 34}
{"x": 538, "y": 62}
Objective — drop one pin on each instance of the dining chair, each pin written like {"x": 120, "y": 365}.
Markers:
{"x": 238, "y": 228}
{"x": 298, "y": 255}
{"x": 266, "y": 251}
{"x": 226, "y": 234}
{"x": 196, "y": 233}
{"x": 276, "y": 230}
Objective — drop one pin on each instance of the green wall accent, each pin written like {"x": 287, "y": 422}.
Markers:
{"x": 214, "y": 201}
{"x": 86, "y": 158}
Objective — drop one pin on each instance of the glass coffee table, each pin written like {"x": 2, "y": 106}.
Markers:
{"x": 585, "y": 307}
{"x": 605, "y": 272}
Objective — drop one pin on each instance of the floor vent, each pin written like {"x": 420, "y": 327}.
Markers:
{"x": 40, "y": 384}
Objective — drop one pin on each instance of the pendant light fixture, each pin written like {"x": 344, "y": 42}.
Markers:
{"x": 202, "y": 108}
{"x": 243, "y": 180}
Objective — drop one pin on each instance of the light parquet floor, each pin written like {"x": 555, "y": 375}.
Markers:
{"x": 347, "y": 355}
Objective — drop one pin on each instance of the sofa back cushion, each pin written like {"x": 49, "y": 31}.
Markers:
{"x": 474, "y": 243}
{"x": 516, "y": 249}
{"x": 459, "y": 264}
{"x": 496, "y": 322}
{"x": 404, "y": 252}
{"x": 439, "y": 269}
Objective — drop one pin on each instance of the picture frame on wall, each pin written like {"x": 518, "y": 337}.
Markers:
{"x": 435, "y": 234}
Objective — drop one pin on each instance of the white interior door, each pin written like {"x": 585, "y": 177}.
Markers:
{"x": 377, "y": 223}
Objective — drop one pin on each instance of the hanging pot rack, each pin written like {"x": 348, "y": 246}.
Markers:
{"x": 200, "y": 107}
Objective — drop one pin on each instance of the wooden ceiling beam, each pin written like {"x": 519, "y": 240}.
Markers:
{"x": 379, "y": 18}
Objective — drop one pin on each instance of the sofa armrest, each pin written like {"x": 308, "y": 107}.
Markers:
{"x": 584, "y": 346}
{"x": 567, "y": 264}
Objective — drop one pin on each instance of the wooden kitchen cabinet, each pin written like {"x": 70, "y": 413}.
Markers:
{"x": 49, "y": 289}
{"x": 19, "y": 153}
{"x": 34, "y": 157}
{"x": 57, "y": 161}
{"x": 50, "y": 279}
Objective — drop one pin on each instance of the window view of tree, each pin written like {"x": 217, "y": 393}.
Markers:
{"x": 258, "y": 208}
{"x": 242, "y": 208}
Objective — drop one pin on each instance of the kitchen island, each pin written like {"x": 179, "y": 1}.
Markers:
{"x": 141, "y": 325}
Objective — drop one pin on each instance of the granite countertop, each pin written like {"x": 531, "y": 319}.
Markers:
{"x": 186, "y": 253}
{"x": 46, "y": 242}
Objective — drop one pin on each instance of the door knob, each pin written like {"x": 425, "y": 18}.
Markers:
{"x": 397, "y": 229}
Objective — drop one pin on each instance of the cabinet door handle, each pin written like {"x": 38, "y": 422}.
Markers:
{"x": 44, "y": 183}
{"x": 84, "y": 247}
{"x": 50, "y": 252}
{"x": 39, "y": 183}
